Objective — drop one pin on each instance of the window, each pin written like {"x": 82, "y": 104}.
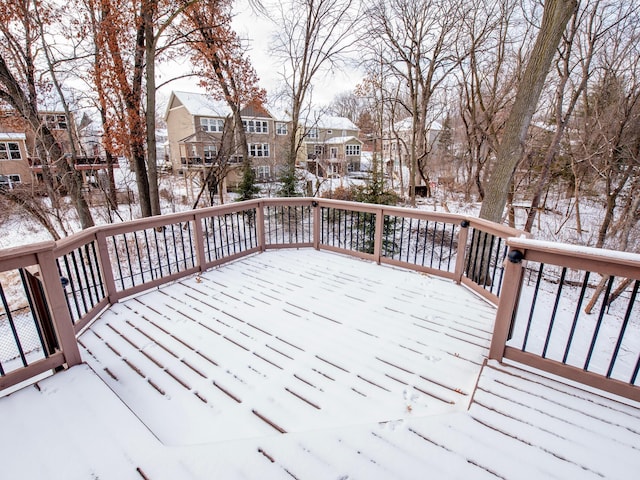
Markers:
{"x": 210, "y": 152}
{"x": 259, "y": 149}
{"x": 352, "y": 150}
{"x": 263, "y": 172}
{"x": 255, "y": 126}
{"x": 281, "y": 128}
{"x": 312, "y": 133}
{"x": 329, "y": 132}
{"x": 10, "y": 151}
{"x": 8, "y": 181}
{"x": 319, "y": 150}
{"x": 212, "y": 124}
{"x": 56, "y": 122}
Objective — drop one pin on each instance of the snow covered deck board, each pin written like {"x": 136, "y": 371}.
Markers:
{"x": 357, "y": 363}
{"x": 290, "y": 341}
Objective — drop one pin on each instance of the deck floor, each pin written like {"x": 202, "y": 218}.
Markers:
{"x": 290, "y": 342}
{"x": 305, "y": 364}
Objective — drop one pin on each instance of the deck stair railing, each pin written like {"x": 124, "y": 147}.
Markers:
{"x": 79, "y": 276}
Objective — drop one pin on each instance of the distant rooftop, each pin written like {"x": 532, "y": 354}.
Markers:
{"x": 202, "y": 105}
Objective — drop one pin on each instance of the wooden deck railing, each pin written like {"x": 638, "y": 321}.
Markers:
{"x": 544, "y": 319}
{"x": 51, "y": 291}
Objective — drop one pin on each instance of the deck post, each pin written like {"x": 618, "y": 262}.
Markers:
{"x": 509, "y": 297}
{"x": 105, "y": 267}
{"x": 316, "y": 224}
{"x": 199, "y": 239}
{"x": 260, "y": 225}
{"x": 377, "y": 245}
{"x": 463, "y": 235}
{"x": 59, "y": 311}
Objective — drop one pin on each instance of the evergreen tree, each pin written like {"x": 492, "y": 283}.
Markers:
{"x": 247, "y": 188}
{"x": 288, "y": 181}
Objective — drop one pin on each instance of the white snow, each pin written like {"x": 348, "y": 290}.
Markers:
{"x": 83, "y": 423}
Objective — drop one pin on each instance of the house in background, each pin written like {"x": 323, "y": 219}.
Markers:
{"x": 331, "y": 146}
{"x": 21, "y": 157}
{"x": 198, "y": 138}
{"x": 14, "y": 166}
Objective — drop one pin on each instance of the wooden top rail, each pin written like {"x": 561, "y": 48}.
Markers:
{"x": 591, "y": 259}
{"x": 18, "y": 257}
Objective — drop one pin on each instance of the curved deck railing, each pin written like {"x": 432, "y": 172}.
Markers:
{"x": 53, "y": 290}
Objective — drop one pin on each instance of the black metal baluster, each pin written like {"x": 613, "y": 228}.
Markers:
{"x": 146, "y": 243}
{"x": 472, "y": 251}
{"x": 97, "y": 282}
{"x": 424, "y": 243}
{"x": 533, "y": 306}
{"x": 12, "y": 325}
{"x": 623, "y": 328}
{"x": 554, "y": 312}
{"x": 450, "y": 256}
{"x": 155, "y": 241}
{"x": 71, "y": 285}
{"x": 66, "y": 296}
{"x": 166, "y": 248}
{"x": 76, "y": 283}
{"x": 85, "y": 273}
{"x": 244, "y": 229}
{"x": 576, "y": 315}
{"x": 603, "y": 307}
{"x": 118, "y": 262}
{"x": 192, "y": 252}
{"x": 235, "y": 232}
{"x": 135, "y": 238}
{"x": 433, "y": 243}
{"x": 402, "y": 242}
{"x": 25, "y": 287}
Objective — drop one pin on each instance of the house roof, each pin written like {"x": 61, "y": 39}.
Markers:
{"x": 198, "y": 104}
{"x": 341, "y": 140}
{"x": 331, "y": 122}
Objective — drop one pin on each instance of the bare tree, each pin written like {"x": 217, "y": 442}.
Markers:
{"x": 589, "y": 29}
{"x": 487, "y": 80}
{"x": 312, "y": 38}
{"x": 21, "y": 86}
{"x": 555, "y": 16}
{"x": 420, "y": 40}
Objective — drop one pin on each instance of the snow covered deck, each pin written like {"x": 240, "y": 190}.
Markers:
{"x": 304, "y": 364}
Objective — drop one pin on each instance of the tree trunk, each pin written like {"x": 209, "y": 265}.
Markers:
{"x": 133, "y": 104}
{"x": 554, "y": 20}
{"x": 149, "y": 8}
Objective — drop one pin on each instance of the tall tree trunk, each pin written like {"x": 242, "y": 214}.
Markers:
{"x": 149, "y": 8}
{"x": 554, "y": 20}
{"x": 133, "y": 103}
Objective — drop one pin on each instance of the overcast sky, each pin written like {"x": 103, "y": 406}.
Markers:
{"x": 258, "y": 31}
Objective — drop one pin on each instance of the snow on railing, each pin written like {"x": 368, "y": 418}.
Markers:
{"x": 572, "y": 311}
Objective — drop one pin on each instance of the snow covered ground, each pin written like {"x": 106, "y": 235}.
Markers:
{"x": 274, "y": 366}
